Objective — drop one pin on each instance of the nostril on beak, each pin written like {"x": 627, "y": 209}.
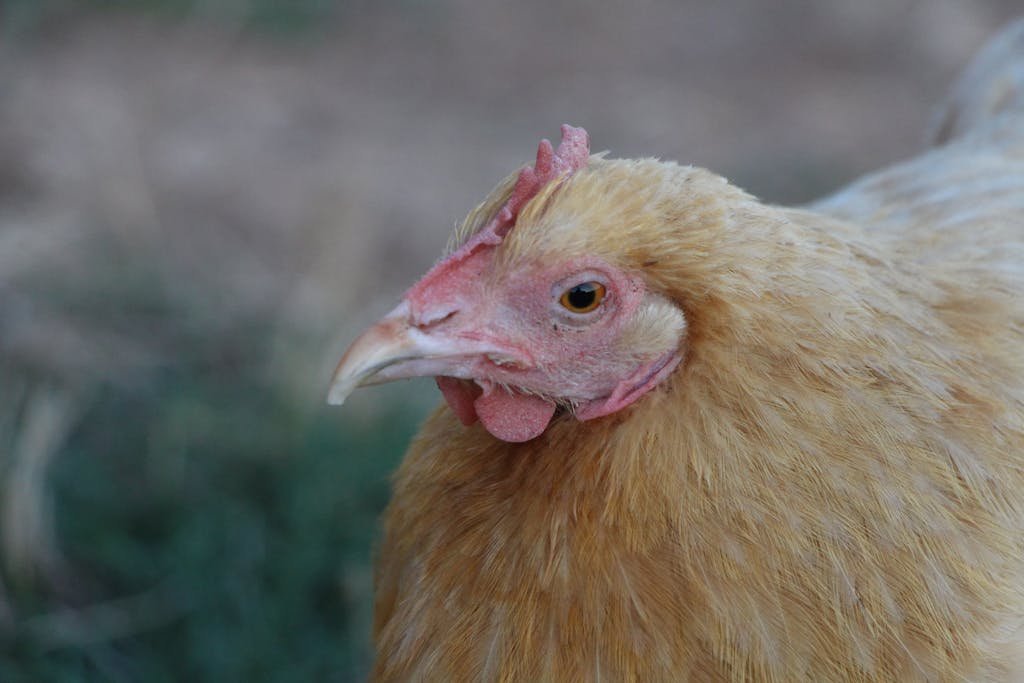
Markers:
{"x": 431, "y": 319}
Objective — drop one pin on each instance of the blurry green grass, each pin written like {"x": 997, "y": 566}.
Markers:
{"x": 254, "y": 520}
{"x": 212, "y": 524}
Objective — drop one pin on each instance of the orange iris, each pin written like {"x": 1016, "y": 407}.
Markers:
{"x": 583, "y": 298}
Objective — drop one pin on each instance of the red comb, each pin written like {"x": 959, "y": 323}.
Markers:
{"x": 551, "y": 164}
{"x": 571, "y": 155}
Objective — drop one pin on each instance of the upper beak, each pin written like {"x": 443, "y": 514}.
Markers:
{"x": 394, "y": 348}
{"x": 385, "y": 344}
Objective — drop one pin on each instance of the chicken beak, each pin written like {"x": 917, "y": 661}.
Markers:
{"x": 386, "y": 343}
{"x": 395, "y": 348}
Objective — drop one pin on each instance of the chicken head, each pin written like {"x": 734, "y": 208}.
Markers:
{"x": 511, "y": 341}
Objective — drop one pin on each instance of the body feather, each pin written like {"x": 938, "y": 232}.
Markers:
{"x": 829, "y": 487}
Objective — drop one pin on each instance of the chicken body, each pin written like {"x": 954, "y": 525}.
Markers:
{"x": 830, "y": 484}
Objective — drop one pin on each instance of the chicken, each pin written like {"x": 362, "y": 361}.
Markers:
{"x": 690, "y": 436}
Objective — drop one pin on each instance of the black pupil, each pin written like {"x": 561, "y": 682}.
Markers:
{"x": 582, "y": 296}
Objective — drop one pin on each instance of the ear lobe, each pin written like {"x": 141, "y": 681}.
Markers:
{"x": 656, "y": 326}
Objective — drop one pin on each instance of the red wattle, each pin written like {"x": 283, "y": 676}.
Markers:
{"x": 511, "y": 416}
{"x": 460, "y": 395}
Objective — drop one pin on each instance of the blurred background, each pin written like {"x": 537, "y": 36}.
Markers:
{"x": 202, "y": 202}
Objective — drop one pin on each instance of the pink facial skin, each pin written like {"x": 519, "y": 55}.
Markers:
{"x": 503, "y": 349}
{"x": 541, "y": 354}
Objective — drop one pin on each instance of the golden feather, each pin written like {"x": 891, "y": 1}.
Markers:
{"x": 829, "y": 487}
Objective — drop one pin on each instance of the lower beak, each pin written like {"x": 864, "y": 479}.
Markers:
{"x": 393, "y": 348}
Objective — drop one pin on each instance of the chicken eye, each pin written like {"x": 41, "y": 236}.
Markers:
{"x": 583, "y": 298}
